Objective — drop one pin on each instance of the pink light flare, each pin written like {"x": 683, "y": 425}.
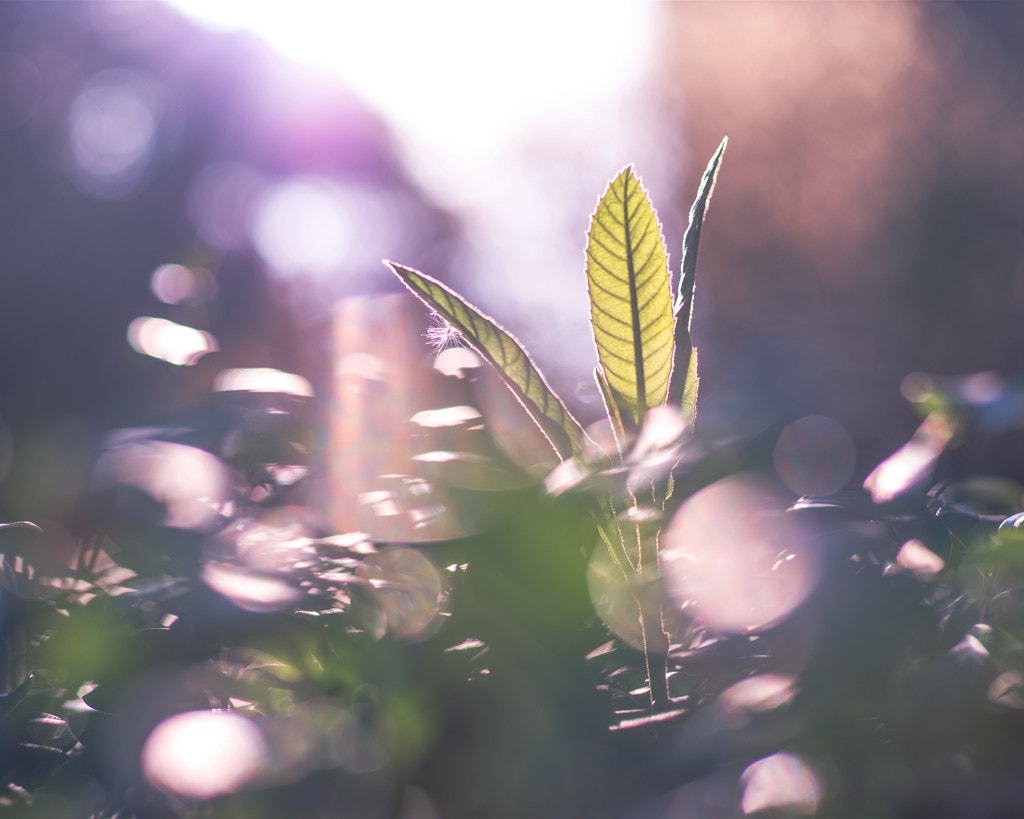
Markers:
{"x": 733, "y": 556}
{"x": 203, "y": 754}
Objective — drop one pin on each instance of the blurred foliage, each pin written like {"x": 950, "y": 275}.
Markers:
{"x": 185, "y": 631}
{"x": 206, "y": 645}
{"x": 475, "y": 677}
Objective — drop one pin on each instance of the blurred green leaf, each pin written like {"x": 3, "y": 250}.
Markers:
{"x": 505, "y": 353}
{"x": 630, "y": 297}
{"x": 91, "y": 643}
{"x": 12, "y": 699}
{"x": 683, "y": 307}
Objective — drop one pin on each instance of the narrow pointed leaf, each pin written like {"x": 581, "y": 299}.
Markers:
{"x": 691, "y": 240}
{"x": 630, "y": 297}
{"x": 502, "y": 350}
{"x": 688, "y": 276}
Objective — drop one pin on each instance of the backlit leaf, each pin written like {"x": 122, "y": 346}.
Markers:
{"x": 611, "y": 405}
{"x": 690, "y": 390}
{"x": 630, "y": 297}
{"x": 499, "y": 347}
{"x": 688, "y": 278}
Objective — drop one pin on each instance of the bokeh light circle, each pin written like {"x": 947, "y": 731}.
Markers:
{"x": 302, "y": 226}
{"x": 613, "y": 598}
{"x": 815, "y": 456}
{"x": 190, "y": 483}
{"x": 202, "y": 754}
{"x": 781, "y": 782}
{"x": 221, "y": 202}
{"x": 734, "y": 556}
{"x": 112, "y": 131}
{"x": 177, "y": 284}
{"x": 169, "y": 341}
{"x": 407, "y": 589}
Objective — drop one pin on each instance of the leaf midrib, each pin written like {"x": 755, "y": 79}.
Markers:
{"x": 634, "y": 307}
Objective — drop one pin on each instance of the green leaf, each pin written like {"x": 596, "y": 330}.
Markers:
{"x": 688, "y": 278}
{"x": 699, "y": 209}
{"x": 504, "y": 352}
{"x": 690, "y": 390}
{"x": 630, "y": 297}
{"x": 611, "y": 405}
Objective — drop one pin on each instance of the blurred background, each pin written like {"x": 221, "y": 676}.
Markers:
{"x": 193, "y": 187}
{"x": 195, "y": 201}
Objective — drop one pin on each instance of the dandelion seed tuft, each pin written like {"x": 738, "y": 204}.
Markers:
{"x": 441, "y": 335}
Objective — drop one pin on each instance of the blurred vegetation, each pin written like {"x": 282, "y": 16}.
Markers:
{"x": 280, "y": 566}
{"x": 210, "y": 648}
{"x": 206, "y": 645}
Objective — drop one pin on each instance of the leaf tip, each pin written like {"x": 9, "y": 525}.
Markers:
{"x": 627, "y": 171}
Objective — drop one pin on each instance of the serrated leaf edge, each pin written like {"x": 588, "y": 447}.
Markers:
{"x": 641, "y": 356}
{"x": 562, "y": 431}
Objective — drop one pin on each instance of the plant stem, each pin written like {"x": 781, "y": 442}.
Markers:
{"x": 652, "y": 624}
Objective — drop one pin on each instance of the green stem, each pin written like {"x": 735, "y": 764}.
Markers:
{"x": 652, "y": 624}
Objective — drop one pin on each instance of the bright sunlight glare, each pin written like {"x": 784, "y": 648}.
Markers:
{"x": 503, "y": 113}
{"x": 456, "y": 78}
